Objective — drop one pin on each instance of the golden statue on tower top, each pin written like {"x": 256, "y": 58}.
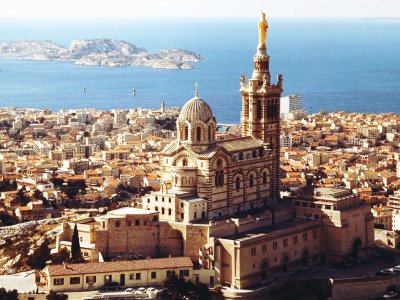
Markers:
{"x": 262, "y": 30}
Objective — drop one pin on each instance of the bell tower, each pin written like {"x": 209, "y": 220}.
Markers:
{"x": 260, "y": 117}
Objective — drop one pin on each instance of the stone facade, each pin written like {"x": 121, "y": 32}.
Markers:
{"x": 124, "y": 231}
{"x": 347, "y": 223}
{"x": 218, "y": 202}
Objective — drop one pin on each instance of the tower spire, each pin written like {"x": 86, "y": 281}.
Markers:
{"x": 261, "y": 59}
{"x": 262, "y": 31}
{"x": 260, "y": 116}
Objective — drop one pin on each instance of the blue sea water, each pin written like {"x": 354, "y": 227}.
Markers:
{"x": 350, "y": 65}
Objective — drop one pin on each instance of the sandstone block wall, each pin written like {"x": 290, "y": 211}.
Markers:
{"x": 362, "y": 288}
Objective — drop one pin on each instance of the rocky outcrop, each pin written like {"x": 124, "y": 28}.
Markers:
{"x": 100, "y": 52}
{"x": 18, "y": 241}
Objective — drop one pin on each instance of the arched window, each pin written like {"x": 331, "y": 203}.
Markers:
{"x": 184, "y": 181}
{"x": 240, "y": 155}
{"x": 209, "y": 133}
{"x": 184, "y": 162}
{"x": 264, "y": 177}
{"x": 186, "y": 130}
{"x": 198, "y": 134}
{"x": 259, "y": 110}
{"x": 254, "y": 154}
{"x": 162, "y": 210}
{"x": 219, "y": 174}
{"x": 251, "y": 180}
{"x": 237, "y": 184}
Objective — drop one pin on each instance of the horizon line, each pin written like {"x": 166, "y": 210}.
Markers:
{"x": 180, "y": 17}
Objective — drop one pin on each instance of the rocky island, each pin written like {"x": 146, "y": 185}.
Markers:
{"x": 100, "y": 52}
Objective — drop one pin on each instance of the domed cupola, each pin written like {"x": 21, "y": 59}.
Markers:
{"x": 196, "y": 124}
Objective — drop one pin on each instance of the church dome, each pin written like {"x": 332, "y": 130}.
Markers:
{"x": 195, "y": 109}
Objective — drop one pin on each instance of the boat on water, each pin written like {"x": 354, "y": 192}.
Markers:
{"x": 84, "y": 89}
{"x": 133, "y": 92}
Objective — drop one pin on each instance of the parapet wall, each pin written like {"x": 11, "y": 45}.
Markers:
{"x": 229, "y": 227}
{"x": 363, "y": 287}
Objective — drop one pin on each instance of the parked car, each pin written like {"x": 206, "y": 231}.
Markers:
{"x": 111, "y": 286}
{"x": 151, "y": 290}
{"x": 140, "y": 290}
{"x": 130, "y": 290}
{"x": 396, "y": 268}
{"x": 385, "y": 272}
{"x": 390, "y": 295}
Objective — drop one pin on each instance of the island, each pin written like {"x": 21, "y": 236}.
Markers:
{"x": 100, "y": 52}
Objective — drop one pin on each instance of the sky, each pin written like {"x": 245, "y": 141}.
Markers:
{"x": 201, "y": 8}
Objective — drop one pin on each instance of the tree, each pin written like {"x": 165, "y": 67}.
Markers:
{"x": 56, "y": 296}
{"x": 57, "y": 181}
{"x": 73, "y": 188}
{"x": 14, "y": 185}
{"x": 76, "y": 255}
{"x": 61, "y": 257}
{"x": 39, "y": 257}
{"x": 37, "y": 194}
{"x": 21, "y": 197}
{"x": 5, "y": 186}
{"x": 8, "y": 220}
{"x": 178, "y": 288}
{"x": 8, "y": 295}
{"x": 202, "y": 292}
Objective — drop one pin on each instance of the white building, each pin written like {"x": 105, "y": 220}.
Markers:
{"x": 126, "y": 137}
{"x": 41, "y": 148}
{"x": 394, "y": 204}
{"x": 288, "y": 104}
{"x": 120, "y": 117}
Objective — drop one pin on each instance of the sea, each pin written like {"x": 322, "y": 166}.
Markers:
{"x": 348, "y": 65}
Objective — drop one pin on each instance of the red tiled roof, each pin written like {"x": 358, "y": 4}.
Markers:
{"x": 120, "y": 266}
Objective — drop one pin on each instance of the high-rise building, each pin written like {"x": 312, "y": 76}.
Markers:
{"x": 289, "y": 104}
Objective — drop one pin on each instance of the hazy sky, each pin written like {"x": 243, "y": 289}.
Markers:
{"x": 201, "y": 8}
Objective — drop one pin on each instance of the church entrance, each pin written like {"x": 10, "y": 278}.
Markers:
{"x": 356, "y": 247}
{"x": 174, "y": 243}
{"x": 304, "y": 258}
{"x": 285, "y": 264}
{"x": 263, "y": 269}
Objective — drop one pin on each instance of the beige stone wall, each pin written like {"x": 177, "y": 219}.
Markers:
{"x": 362, "y": 288}
{"x": 243, "y": 265}
{"x": 195, "y": 236}
{"x": 341, "y": 228}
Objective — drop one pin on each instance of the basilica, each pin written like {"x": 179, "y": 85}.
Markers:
{"x": 219, "y": 202}
{"x": 209, "y": 179}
